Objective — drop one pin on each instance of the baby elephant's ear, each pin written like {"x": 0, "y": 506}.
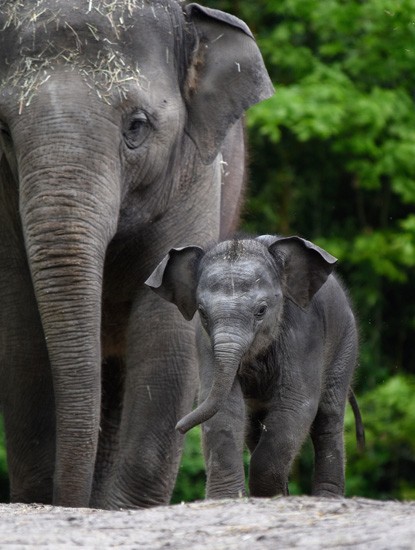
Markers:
{"x": 306, "y": 267}
{"x": 175, "y": 278}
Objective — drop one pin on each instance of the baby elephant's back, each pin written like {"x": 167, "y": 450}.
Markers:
{"x": 333, "y": 307}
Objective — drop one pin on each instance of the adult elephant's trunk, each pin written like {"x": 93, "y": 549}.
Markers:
{"x": 69, "y": 206}
{"x": 227, "y": 355}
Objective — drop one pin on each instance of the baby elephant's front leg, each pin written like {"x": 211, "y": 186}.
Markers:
{"x": 223, "y": 443}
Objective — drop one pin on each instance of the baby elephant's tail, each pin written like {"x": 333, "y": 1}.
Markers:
{"x": 360, "y": 430}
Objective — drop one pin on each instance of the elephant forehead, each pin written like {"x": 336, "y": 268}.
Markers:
{"x": 115, "y": 45}
{"x": 113, "y": 16}
{"x": 243, "y": 276}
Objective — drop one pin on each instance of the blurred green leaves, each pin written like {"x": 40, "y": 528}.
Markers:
{"x": 190, "y": 484}
{"x": 387, "y": 467}
{"x": 4, "y": 484}
{"x": 334, "y": 152}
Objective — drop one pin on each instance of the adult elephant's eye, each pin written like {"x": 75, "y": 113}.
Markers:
{"x": 137, "y": 128}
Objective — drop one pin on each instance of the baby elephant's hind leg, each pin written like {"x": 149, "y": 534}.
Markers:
{"x": 281, "y": 439}
{"x": 328, "y": 426}
{"x": 327, "y": 437}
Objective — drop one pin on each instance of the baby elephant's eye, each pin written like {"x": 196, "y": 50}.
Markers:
{"x": 260, "y": 312}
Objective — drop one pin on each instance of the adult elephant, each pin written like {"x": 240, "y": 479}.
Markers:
{"x": 113, "y": 116}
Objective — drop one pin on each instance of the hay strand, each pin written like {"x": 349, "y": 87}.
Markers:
{"x": 106, "y": 73}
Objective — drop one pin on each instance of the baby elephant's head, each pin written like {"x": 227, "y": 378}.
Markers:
{"x": 238, "y": 288}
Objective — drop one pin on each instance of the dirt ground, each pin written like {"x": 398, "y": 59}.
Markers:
{"x": 280, "y": 523}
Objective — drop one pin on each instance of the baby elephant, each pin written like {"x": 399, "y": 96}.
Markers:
{"x": 277, "y": 345}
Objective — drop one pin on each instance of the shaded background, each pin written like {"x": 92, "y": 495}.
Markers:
{"x": 332, "y": 158}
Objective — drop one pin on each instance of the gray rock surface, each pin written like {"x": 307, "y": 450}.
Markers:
{"x": 280, "y": 523}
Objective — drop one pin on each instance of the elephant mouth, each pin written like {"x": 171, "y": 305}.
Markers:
{"x": 248, "y": 369}
{"x": 242, "y": 369}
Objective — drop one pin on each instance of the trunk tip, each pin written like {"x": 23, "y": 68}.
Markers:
{"x": 181, "y": 426}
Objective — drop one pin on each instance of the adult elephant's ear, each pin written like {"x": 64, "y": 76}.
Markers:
{"x": 305, "y": 266}
{"x": 226, "y": 76}
{"x": 175, "y": 278}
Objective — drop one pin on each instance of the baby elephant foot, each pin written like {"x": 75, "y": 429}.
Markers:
{"x": 266, "y": 487}
{"x": 328, "y": 490}
{"x": 225, "y": 492}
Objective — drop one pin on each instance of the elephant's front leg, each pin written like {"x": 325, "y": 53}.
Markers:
{"x": 223, "y": 444}
{"x": 160, "y": 388}
{"x": 222, "y": 435}
{"x": 108, "y": 446}
{"x": 26, "y": 390}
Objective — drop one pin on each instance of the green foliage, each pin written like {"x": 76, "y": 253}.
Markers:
{"x": 334, "y": 155}
{"x": 4, "y": 483}
{"x": 387, "y": 467}
{"x": 190, "y": 484}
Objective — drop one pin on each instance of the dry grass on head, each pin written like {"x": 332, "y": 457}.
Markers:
{"x": 106, "y": 72}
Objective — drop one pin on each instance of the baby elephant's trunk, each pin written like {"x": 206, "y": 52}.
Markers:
{"x": 227, "y": 360}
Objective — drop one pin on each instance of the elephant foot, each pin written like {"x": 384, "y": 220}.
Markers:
{"x": 328, "y": 491}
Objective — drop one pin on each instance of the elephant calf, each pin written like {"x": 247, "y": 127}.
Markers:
{"x": 277, "y": 344}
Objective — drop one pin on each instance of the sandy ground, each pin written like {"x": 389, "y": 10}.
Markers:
{"x": 294, "y": 522}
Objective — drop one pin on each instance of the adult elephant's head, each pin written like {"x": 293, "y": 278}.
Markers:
{"x": 101, "y": 105}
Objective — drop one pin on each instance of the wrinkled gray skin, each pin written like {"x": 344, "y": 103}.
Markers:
{"x": 116, "y": 119}
{"x": 277, "y": 346}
